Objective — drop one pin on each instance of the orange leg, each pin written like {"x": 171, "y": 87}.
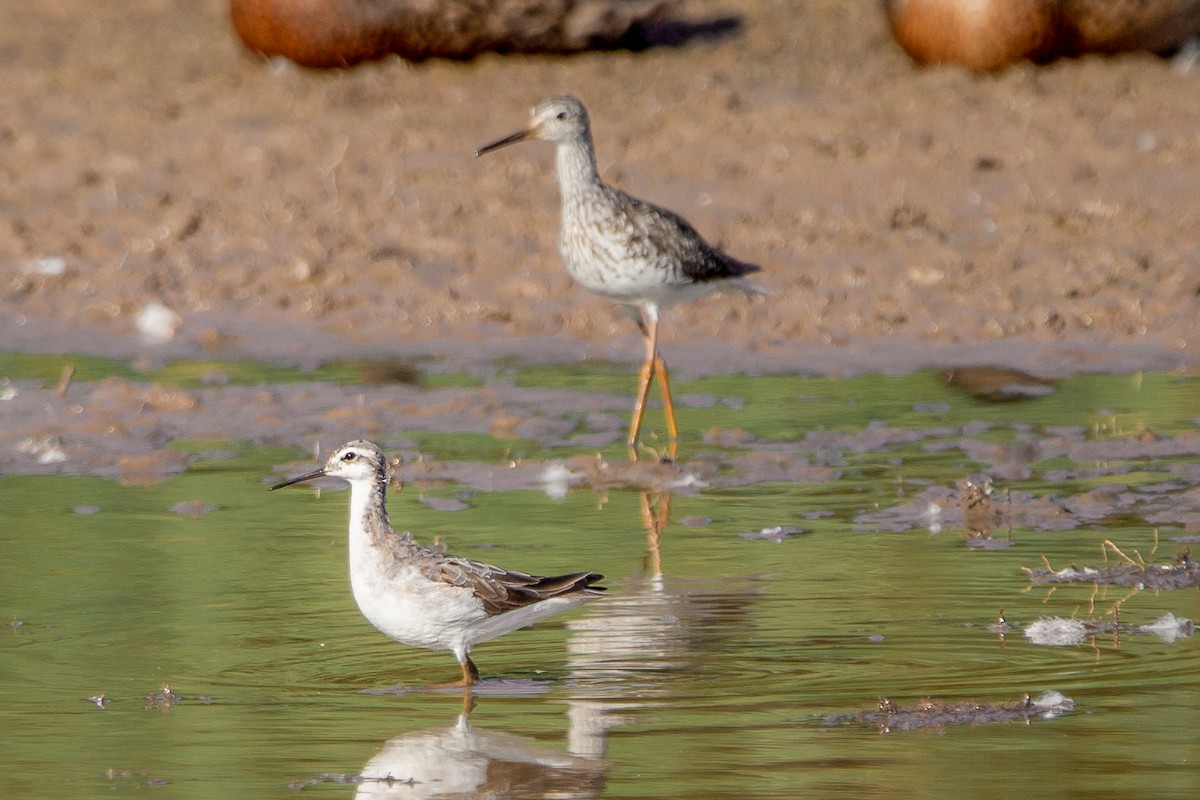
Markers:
{"x": 654, "y": 520}
{"x": 470, "y": 677}
{"x": 664, "y": 386}
{"x": 470, "y": 673}
{"x": 653, "y": 558}
{"x": 650, "y": 326}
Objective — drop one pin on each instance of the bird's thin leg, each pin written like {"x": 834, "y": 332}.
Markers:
{"x": 654, "y": 518}
{"x": 649, "y": 325}
{"x": 470, "y": 673}
{"x": 653, "y": 558}
{"x": 470, "y": 677}
{"x": 664, "y": 386}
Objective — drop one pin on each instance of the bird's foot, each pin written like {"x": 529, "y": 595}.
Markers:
{"x": 663, "y": 456}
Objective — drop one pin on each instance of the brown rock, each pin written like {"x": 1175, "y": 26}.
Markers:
{"x": 338, "y": 33}
{"x": 989, "y": 35}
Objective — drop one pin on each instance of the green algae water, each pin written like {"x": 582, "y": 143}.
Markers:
{"x": 819, "y": 563}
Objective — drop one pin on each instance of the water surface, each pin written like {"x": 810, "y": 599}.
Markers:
{"x": 716, "y": 678}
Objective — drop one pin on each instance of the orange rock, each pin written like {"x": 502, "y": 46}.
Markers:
{"x": 339, "y": 33}
{"x": 991, "y": 34}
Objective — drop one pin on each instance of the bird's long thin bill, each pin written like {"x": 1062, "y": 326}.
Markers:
{"x": 513, "y": 139}
{"x": 314, "y": 474}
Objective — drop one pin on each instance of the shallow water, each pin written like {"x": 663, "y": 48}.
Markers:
{"x": 718, "y": 678}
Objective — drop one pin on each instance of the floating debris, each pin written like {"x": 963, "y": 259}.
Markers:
{"x": 998, "y": 384}
{"x": 46, "y": 267}
{"x": 192, "y": 508}
{"x": 127, "y": 774}
{"x": 143, "y": 469}
{"x": 64, "y": 380}
{"x": 697, "y": 400}
{"x": 456, "y": 503}
{"x": 1182, "y": 573}
{"x": 385, "y": 371}
{"x": 101, "y": 700}
{"x": 333, "y": 777}
{"x": 775, "y": 534}
{"x": 980, "y": 513}
{"x": 1062, "y": 632}
{"x": 556, "y": 480}
{"x": 156, "y": 323}
{"x": 163, "y": 699}
{"x": 47, "y": 449}
{"x": 1169, "y": 628}
{"x": 730, "y": 438}
{"x": 981, "y": 543}
{"x": 999, "y": 624}
{"x": 559, "y": 477}
{"x": 927, "y": 510}
{"x": 931, "y": 713}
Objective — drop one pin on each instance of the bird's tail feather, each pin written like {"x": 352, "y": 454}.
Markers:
{"x": 750, "y": 288}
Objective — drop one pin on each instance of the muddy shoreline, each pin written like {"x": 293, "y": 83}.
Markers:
{"x": 307, "y": 348}
{"x": 1042, "y": 218}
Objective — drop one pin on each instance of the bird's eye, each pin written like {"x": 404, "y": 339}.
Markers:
{"x": 350, "y": 456}
{"x": 561, "y": 115}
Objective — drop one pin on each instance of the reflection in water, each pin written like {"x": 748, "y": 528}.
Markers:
{"x": 997, "y": 384}
{"x": 655, "y": 514}
{"x": 624, "y": 650}
{"x": 620, "y": 656}
{"x": 464, "y": 762}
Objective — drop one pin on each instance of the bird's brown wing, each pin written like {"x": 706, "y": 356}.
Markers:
{"x": 500, "y": 590}
{"x": 665, "y": 232}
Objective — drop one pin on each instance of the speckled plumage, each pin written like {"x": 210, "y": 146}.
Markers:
{"x": 423, "y": 597}
{"x": 617, "y": 246}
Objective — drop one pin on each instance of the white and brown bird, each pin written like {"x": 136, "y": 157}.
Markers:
{"x": 630, "y": 251}
{"x": 425, "y": 598}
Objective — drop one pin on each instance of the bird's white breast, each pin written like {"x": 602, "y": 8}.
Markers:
{"x": 401, "y": 602}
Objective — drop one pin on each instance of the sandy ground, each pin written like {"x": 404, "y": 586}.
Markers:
{"x": 1044, "y": 218}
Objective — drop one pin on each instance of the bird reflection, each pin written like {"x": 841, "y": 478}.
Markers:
{"x": 462, "y": 761}
{"x": 624, "y": 653}
{"x": 629, "y": 648}
{"x": 655, "y": 513}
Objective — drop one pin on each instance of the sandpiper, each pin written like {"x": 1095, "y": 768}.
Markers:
{"x": 422, "y": 597}
{"x": 637, "y": 254}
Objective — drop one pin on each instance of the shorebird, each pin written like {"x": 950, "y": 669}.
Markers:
{"x": 637, "y": 254}
{"x": 422, "y": 597}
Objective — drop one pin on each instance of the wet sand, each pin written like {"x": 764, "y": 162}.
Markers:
{"x": 1044, "y": 218}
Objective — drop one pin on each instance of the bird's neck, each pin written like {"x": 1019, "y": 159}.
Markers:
{"x": 368, "y": 509}
{"x": 576, "y": 163}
